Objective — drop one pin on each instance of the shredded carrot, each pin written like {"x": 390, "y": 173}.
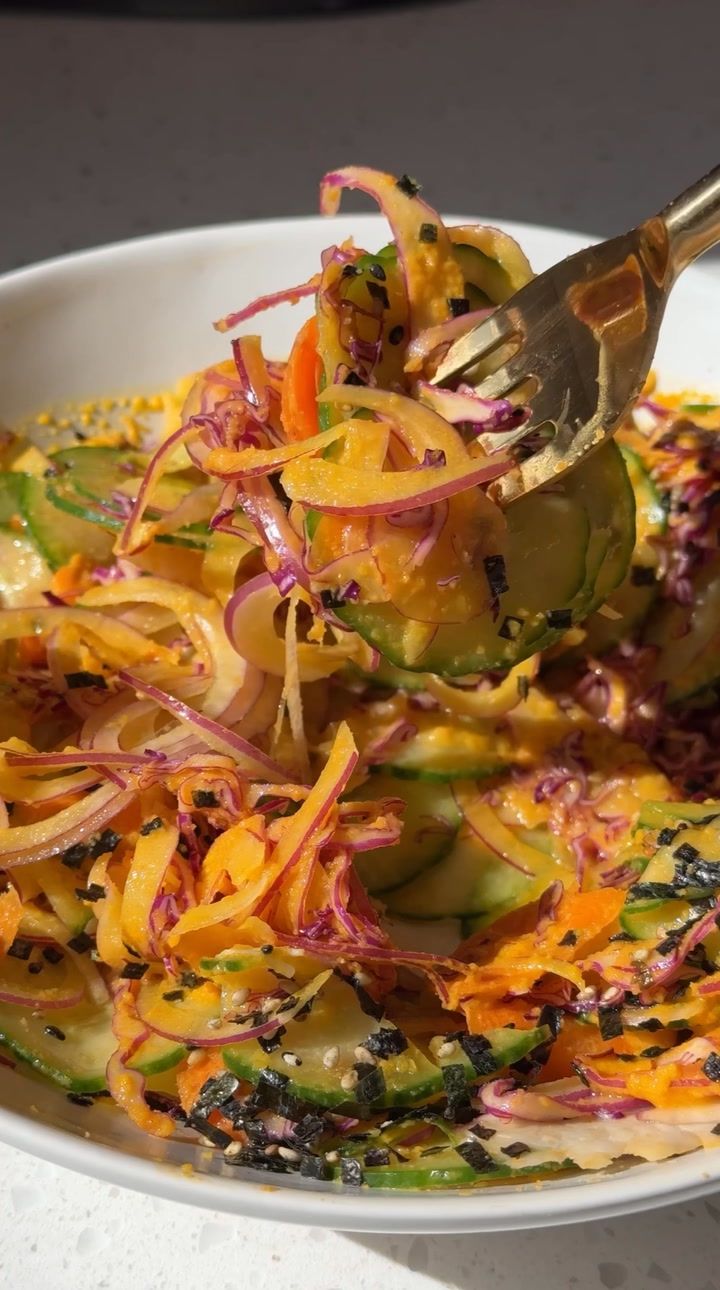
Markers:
{"x": 72, "y": 579}
{"x": 300, "y": 385}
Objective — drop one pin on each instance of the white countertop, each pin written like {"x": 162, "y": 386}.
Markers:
{"x": 119, "y": 128}
{"x": 64, "y": 1232}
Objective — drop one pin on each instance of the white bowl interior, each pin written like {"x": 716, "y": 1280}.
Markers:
{"x": 136, "y": 317}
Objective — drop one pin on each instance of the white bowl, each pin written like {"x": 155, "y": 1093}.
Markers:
{"x": 136, "y": 316}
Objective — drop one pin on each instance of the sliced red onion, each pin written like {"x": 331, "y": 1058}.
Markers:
{"x": 290, "y": 295}
{"x": 26, "y": 843}
{"x": 548, "y": 906}
{"x": 250, "y": 758}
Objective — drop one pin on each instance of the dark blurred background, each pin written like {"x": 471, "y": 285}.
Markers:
{"x": 562, "y": 112}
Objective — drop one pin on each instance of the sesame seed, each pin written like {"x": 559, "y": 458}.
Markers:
{"x": 607, "y": 995}
{"x": 330, "y": 1058}
{"x": 332, "y": 1157}
{"x": 447, "y": 1049}
{"x": 287, "y": 1153}
{"x": 195, "y": 1057}
{"x": 233, "y": 1149}
{"x": 362, "y": 978}
{"x": 640, "y": 956}
{"x": 364, "y": 1055}
{"x": 271, "y": 1150}
{"x": 588, "y": 992}
{"x": 213, "y": 1023}
{"x": 291, "y": 1059}
{"x": 349, "y": 1081}
{"x": 239, "y": 997}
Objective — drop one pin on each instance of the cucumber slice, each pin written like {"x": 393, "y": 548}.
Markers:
{"x": 633, "y": 598}
{"x": 336, "y": 1021}
{"x": 471, "y": 882}
{"x": 58, "y": 539}
{"x": 450, "y": 748}
{"x": 565, "y": 551}
{"x": 85, "y": 480}
{"x": 492, "y": 263}
{"x": 688, "y": 638}
{"x": 481, "y": 644}
{"x": 656, "y": 815}
{"x": 78, "y": 1061}
{"x": 430, "y": 821}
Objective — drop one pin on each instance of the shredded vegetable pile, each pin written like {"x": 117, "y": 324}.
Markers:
{"x": 347, "y": 820}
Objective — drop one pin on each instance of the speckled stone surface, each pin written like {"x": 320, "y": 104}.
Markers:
{"x": 577, "y": 115}
{"x": 64, "y": 1232}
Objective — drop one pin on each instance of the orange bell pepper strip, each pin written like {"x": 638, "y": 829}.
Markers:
{"x": 298, "y": 408}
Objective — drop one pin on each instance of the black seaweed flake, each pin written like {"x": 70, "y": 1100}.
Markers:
{"x": 20, "y": 949}
{"x": 267, "y": 949}
{"x": 370, "y": 1085}
{"x": 54, "y": 1032}
{"x": 716, "y": 1130}
{"x": 407, "y": 185}
{"x": 482, "y": 1131}
{"x": 559, "y": 618}
{"x": 621, "y": 936}
{"x": 496, "y": 574}
{"x": 552, "y": 1018}
{"x": 216, "y": 1091}
{"x": 203, "y": 797}
{"x": 94, "y": 891}
{"x": 133, "y": 971}
{"x": 369, "y": 1006}
{"x": 174, "y": 996}
{"x": 314, "y": 1167}
{"x": 651, "y": 891}
{"x": 351, "y": 1173}
{"x": 190, "y": 980}
{"x": 642, "y": 575}
{"x": 570, "y": 938}
{"x": 396, "y": 334}
{"x": 475, "y": 1155}
{"x": 655, "y": 1050}
{"x": 308, "y": 1130}
{"x": 378, "y": 271}
{"x": 271, "y": 1043}
{"x": 52, "y": 954}
{"x": 80, "y": 943}
{"x": 479, "y": 1053}
{"x": 102, "y": 843}
{"x": 711, "y": 1067}
{"x": 515, "y": 1149}
{"x": 376, "y": 1156}
{"x": 458, "y": 1109}
{"x": 610, "y": 1022}
{"x": 150, "y": 826}
{"x": 386, "y": 1042}
{"x": 85, "y": 680}
{"x": 428, "y": 233}
{"x": 74, "y": 856}
{"x": 379, "y": 293}
{"x": 458, "y": 306}
{"x": 666, "y": 836}
{"x": 651, "y": 1024}
{"x": 350, "y": 271}
{"x": 79, "y": 1099}
{"x": 523, "y": 687}
{"x": 354, "y": 378}
{"x": 35, "y": 968}
{"x": 510, "y": 627}
{"x": 218, "y": 1137}
{"x": 686, "y": 852}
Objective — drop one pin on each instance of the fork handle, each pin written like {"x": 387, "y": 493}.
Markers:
{"x": 692, "y": 221}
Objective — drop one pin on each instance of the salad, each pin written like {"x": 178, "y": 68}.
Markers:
{"x": 359, "y": 826}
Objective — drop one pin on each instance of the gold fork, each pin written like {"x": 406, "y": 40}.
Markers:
{"x": 575, "y": 345}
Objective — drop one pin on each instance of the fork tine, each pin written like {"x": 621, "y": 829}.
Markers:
{"x": 500, "y": 383}
{"x": 477, "y": 344}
